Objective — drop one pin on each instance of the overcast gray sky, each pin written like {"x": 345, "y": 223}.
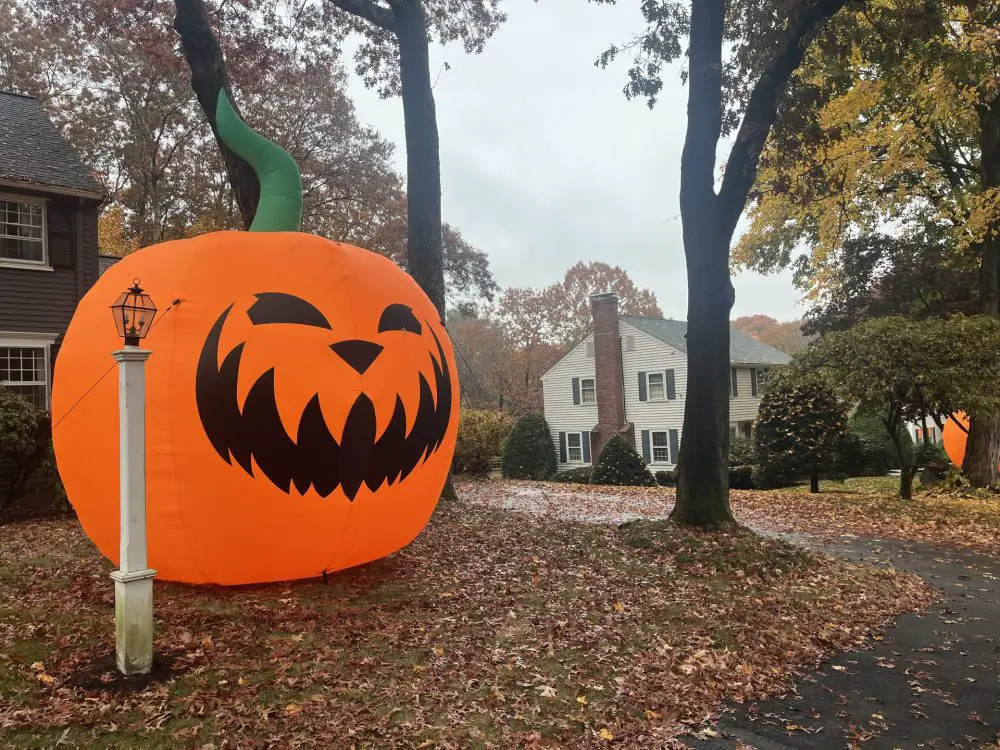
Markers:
{"x": 544, "y": 162}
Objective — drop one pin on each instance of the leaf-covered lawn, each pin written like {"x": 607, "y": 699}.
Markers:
{"x": 864, "y": 506}
{"x": 871, "y": 506}
{"x": 493, "y": 629}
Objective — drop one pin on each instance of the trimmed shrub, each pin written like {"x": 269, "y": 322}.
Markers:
{"x": 799, "y": 426}
{"x": 529, "y": 452}
{"x": 619, "y": 464}
{"x": 741, "y": 477}
{"x": 879, "y": 453}
{"x": 579, "y": 475}
{"x": 934, "y": 464}
{"x": 25, "y": 436}
{"x": 666, "y": 478}
{"x": 741, "y": 451}
{"x": 481, "y": 435}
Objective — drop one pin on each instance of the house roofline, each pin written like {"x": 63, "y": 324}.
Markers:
{"x": 56, "y": 189}
{"x": 17, "y": 93}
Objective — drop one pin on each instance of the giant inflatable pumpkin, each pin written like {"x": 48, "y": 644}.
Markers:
{"x": 954, "y": 436}
{"x": 302, "y": 398}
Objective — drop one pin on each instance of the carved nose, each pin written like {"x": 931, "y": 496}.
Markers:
{"x": 358, "y": 354}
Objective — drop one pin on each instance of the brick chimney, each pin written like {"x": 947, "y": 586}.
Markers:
{"x": 608, "y": 369}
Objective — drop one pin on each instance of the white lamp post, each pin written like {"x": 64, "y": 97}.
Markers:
{"x": 134, "y": 312}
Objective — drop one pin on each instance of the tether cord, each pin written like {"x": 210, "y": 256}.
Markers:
{"x": 108, "y": 371}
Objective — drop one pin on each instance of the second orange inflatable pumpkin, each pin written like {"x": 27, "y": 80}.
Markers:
{"x": 955, "y": 437}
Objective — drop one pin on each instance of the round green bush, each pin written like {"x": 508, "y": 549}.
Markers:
{"x": 741, "y": 477}
{"x": 529, "y": 452}
{"x": 579, "y": 475}
{"x": 877, "y": 450}
{"x": 741, "y": 451}
{"x": 619, "y": 464}
{"x": 799, "y": 426}
{"x": 666, "y": 478}
{"x": 481, "y": 435}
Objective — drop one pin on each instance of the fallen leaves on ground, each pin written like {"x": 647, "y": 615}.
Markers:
{"x": 486, "y": 632}
{"x": 864, "y": 506}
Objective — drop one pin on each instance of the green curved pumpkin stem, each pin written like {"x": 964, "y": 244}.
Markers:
{"x": 279, "y": 208}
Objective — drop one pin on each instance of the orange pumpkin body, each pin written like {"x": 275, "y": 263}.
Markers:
{"x": 955, "y": 438}
{"x": 301, "y": 412}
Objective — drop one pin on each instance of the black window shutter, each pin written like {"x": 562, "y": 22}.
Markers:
{"x": 675, "y": 447}
{"x": 586, "y": 447}
{"x": 60, "y": 235}
{"x": 671, "y": 385}
{"x": 562, "y": 447}
{"x": 642, "y": 386}
{"x": 732, "y": 376}
{"x": 753, "y": 382}
{"x": 645, "y": 446}
{"x": 576, "y": 391}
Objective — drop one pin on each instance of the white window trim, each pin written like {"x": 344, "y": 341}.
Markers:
{"x": 35, "y": 265}
{"x": 653, "y": 447}
{"x": 33, "y": 340}
{"x": 568, "y": 448}
{"x": 594, "y": 389}
{"x": 649, "y": 386}
{"x": 760, "y": 373}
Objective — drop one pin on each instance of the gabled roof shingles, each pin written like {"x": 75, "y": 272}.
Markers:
{"x": 743, "y": 349}
{"x": 33, "y": 151}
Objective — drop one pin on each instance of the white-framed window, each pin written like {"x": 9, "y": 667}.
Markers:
{"x": 588, "y": 391}
{"x": 22, "y": 231}
{"x": 661, "y": 448}
{"x": 759, "y": 376}
{"x": 24, "y": 368}
{"x": 657, "y": 386}
{"x": 734, "y": 389}
{"x": 574, "y": 447}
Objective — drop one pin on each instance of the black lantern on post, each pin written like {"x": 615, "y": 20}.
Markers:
{"x": 134, "y": 312}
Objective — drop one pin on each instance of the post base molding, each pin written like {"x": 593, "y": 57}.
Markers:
{"x": 134, "y": 620}
{"x": 122, "y": 576}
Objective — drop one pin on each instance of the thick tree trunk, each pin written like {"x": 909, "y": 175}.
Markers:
{"x": 982, "y": 452}
{"x": 702, "y": 477}
{"x": 709, "y": 220}
{"x": 423, "y": 164}
{"x": 702, "y": 470}
{"x": 208, "y": 76}
{"x": 906, "y": 482}
{"x": 814, "y": 483}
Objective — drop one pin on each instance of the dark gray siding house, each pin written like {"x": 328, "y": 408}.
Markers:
{"x": 48, "y": 242}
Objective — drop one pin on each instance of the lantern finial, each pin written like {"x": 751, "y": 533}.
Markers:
{"x": 280, "y": 206}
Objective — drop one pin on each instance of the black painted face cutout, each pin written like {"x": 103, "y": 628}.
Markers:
{"x": 313, "y": 457}
{"x": 399, "y": 318}
{"x": 275, "y": 307}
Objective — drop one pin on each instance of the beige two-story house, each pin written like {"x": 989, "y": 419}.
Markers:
{"x": 630, "y": 376}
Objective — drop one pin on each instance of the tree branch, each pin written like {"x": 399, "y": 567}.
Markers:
{"x": 366, "y": 9}
{"x": 704, "y": 123}
{"x": 208, "y": 75}
{"x": 741, "y": 169}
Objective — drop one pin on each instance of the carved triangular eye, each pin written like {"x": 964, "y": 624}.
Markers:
{"x": 399, "y": 318}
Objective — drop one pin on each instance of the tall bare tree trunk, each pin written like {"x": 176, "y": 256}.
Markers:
{"x": 709, "y": 220}
{"x": 423, "y": 159}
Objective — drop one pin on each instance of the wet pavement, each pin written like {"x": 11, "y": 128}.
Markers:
{"x": 933, "y": 681}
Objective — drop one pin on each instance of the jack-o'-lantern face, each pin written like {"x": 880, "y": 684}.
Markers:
{"x": 310, "y": 436}
{"x": 301, "y": 408}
